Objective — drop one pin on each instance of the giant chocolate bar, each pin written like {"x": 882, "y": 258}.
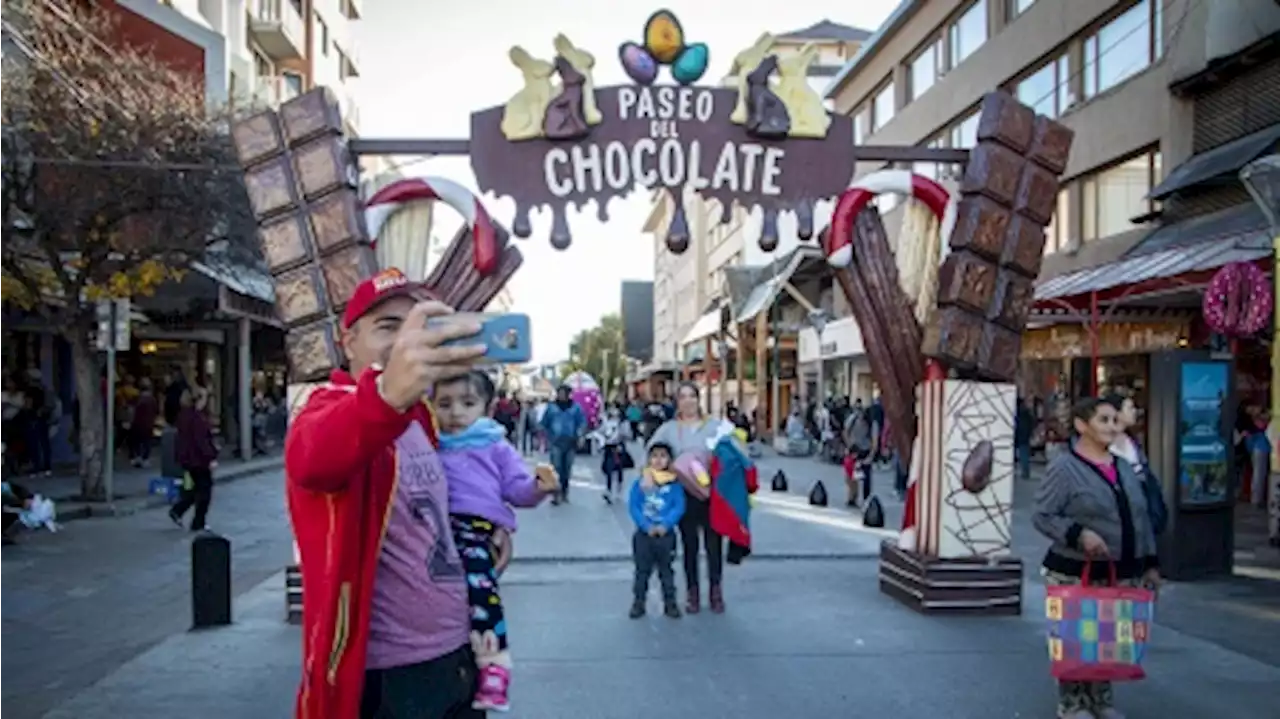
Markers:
{"x": 312, "y": 351}
{"x": 286, "y": 242}
{"x": 344, "y": 270}
{"x": 1009, "y": 194}
{"x": 337, "y": 222}
{"x": 324, "y": 165}
{"x": 300, "y": 296}
{"x": 271, "y": 187}
{"x": 258, "y": 138}
{"x": 967, "y": 280}
{"x": 311, "y": 115}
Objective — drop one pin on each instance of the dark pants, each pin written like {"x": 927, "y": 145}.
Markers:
{"x": 528, "y": 440}
{"x": 900, "y": 474}
{"x": 39, "y": 448}
{"x": 474, "y": 538}
{"x": 654, "y": 553}
{"x": 200, "y": 494}
{"x": 439, "y": 689}
{"x": 696, "y": 525}
{"x": 140, "y": 445}
{"x": 562, "y": 452}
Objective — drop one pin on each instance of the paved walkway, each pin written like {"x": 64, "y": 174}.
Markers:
{"x": 807, "y": 634}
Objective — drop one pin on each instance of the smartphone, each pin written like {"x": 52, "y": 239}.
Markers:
{"x": 506, "y": 337}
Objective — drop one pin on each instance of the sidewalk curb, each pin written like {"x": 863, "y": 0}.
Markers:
{"x": 126, "y": 506}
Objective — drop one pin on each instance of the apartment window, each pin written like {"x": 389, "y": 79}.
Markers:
{"x": 1112, "y": 197}
{"x": 1047, "y": 90}
{"x": 261, "y": 65}
{"x": 923, "y": 71}
{"x": 968, "y": 32}
{"x": 322, "y": 32}
{"x": 882, "y": 107}
{"x": 964, "y": 134}
{"x": 293, "y": 81}
{"x": 861, "y": 124}
{"x": 1122, "y": 48}
{"x": 1017, "y": 7}
{"x": 343, "y": 67}
{"x": 1056, "y": 234}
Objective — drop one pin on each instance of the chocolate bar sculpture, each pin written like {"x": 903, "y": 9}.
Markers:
{"x": 319, "y": 239}
{"x": 946, "y": 367}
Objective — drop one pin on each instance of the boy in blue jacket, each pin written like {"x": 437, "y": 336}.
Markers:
{"x": 656, "y": 503}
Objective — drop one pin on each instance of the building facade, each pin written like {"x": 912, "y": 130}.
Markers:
{"x": 687, "y": 287}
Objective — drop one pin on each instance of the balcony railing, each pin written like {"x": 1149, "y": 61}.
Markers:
{"x": 278, "y": 28}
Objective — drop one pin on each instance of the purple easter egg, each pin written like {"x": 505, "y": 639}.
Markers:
{"x": 638, "y": 63}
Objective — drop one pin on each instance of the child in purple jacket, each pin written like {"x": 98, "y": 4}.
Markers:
{"x": 486, "y": 477}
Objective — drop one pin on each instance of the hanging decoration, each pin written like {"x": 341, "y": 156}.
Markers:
{"x": 1238, "y": 300}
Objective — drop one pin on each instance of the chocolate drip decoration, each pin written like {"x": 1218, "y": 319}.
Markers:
{"x": 560, "y": 235}
{"x": 678, "y": 230}
{"x": 804, "y": 219}
{"x": 769, "y": 231}
{"x": 521, "y": 226}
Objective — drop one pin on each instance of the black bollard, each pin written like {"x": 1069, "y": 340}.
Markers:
{"x": 873, "y": 515}
{"x": 779, "y": 483}
{"x": 210, "y": 581}
{"x": 818, "y": 495}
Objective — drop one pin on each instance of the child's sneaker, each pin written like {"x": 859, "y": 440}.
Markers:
{"x": 637, "y": 609}
{"x": 671, "y": 610}
{"x": 491, "y": 694}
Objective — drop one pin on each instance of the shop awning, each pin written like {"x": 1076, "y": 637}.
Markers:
{"x": 1220, "y": 162}
{"x": 769, "y": 280}
{"x": 1147, "y": 270}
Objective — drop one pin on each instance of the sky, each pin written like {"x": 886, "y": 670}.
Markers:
{"x": 426, "y": 65}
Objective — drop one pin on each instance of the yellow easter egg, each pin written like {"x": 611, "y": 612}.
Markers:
{"x": 663, "y": 37}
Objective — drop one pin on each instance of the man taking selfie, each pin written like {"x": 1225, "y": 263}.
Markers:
{"x": 385, "y": 614}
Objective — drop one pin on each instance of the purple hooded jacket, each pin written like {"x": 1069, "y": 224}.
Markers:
{"x": 486, "y": 475}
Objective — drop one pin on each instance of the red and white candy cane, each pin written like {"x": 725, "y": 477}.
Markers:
{"x": 838, "y": 242}
{"x": 398, "y": 194}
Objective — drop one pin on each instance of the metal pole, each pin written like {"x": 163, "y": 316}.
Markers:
{"x": 245, "y": 372}
{"x": 109, "y": 458}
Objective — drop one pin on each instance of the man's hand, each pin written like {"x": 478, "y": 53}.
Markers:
{"x": 1092, "y": 544}
{"x": 418, "y": 359}
{"x": 502, "y": 550}
{"x": 657, "y": 530}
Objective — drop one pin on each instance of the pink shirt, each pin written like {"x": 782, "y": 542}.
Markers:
{"x": 1107, "y": 469}
{"x": 419, "y": 610}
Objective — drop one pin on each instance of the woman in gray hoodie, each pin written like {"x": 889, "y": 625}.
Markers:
{"x": 1094, "y": 508}
{"x": 689, "y": 434}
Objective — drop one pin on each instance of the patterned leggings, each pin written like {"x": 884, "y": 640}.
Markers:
{"x": 474, "y": 538}
{"x": 1083, "y": 696}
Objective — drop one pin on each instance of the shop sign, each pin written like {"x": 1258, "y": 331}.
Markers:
{"x": 1124, "y": 338}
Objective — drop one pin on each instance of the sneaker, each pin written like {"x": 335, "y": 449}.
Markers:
{"x": 637, "y": 610}
{"x": 671, "y": 610}
{"x": 175, "y": 518}
{"x": 491, "y": 695}
{"x": 608, "y": 498}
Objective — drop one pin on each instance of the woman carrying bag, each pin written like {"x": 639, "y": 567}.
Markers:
{"x": 614, "y": 433}
{"x": 1094, "y": 508}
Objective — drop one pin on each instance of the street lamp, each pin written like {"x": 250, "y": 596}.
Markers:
{"x": 818, "y": 319}
{"x": 1262, "y": 179}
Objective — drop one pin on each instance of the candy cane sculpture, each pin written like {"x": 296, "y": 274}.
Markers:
{"x": 485, "y": 251}
{"x": 839, "y": 245}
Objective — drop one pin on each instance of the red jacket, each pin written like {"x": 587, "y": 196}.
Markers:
{"x": 340, "y": 469}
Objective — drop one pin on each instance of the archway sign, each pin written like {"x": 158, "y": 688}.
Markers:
{"x": 942, "y": 320}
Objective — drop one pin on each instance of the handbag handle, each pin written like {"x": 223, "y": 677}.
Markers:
{"x": 1088, "y": 567}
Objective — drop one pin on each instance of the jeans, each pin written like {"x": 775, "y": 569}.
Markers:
{"x": 1023, "y": 456}
{"x": 899, "y": 474}
{"x": 562, "y": 460}
{"x": 654, "y": 554}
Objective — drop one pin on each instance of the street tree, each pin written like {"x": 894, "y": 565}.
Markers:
{"x": 116, "y": 175}
{"x": 598, "y": 351}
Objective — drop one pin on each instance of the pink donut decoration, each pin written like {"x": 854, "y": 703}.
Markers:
{"x": 1238, "y": 300}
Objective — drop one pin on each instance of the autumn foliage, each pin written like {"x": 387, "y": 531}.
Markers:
{"x": 116, "y": 173}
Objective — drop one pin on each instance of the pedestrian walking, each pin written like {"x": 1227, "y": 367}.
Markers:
{"x": 1094, "y": 508}
{"x": 614, "y": 433}
{"x": 197, "y": 454}
{"x": 690, "y": 434}
{"x": 564, "y": 423}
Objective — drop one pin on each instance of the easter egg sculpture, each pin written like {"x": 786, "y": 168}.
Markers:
{"x": 638, "y": 63}
{"x": 663, "y": 36}
{"x": 691, "y": 64}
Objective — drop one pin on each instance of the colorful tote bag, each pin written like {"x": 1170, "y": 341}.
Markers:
{"x": 1098, "y": 633}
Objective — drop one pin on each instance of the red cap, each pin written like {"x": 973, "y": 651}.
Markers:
{"x": 378, "y": 289}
